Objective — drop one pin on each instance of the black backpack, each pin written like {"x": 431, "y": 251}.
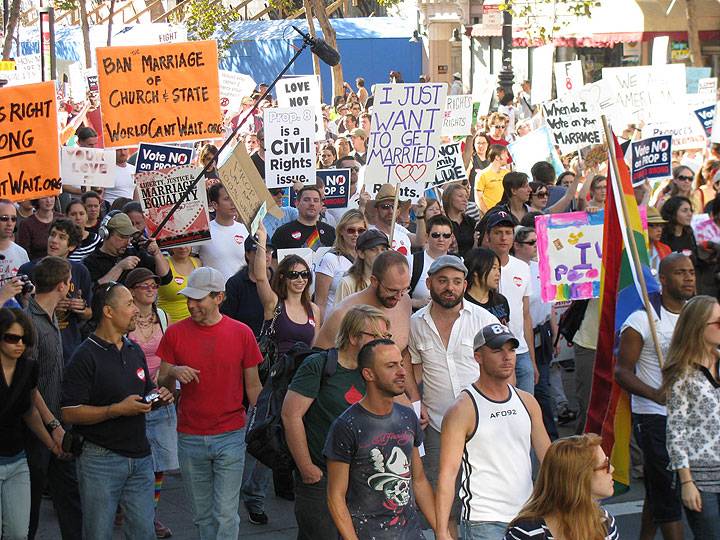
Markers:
{"x": 265, "y": 436}
{"x": 570, "y": 321}
{"x": 417, "y": 271}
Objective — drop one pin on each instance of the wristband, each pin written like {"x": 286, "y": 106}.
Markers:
{"x": 52, "y": 425}
{"x": 687, "y": 482}
{"x": 420, "y": 217}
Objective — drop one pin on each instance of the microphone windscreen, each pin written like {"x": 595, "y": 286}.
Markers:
{"x": 325, "y": 52}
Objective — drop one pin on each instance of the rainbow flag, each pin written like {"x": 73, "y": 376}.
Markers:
{"x": 620, "y": 295}
{"x": 313, "y": 240}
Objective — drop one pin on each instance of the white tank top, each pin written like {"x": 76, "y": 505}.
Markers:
{"x": 496, "y": 468}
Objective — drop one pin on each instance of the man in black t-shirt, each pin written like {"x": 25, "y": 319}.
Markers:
{"x": 306, "y": 230}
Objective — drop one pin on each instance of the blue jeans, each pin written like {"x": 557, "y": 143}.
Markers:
{"x": 482, "y": 530}
{"x": 524, "y": 373}
{"x": 14, "y": 498}
{"x": 706, "y": 523}
{"x": 255, "y": 480}
{"x": 212, "y": 470}
{"x": 107, "y": 479}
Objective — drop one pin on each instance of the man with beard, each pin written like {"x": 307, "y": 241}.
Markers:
{"x": 375, "y": 474}
{"x": 441, "y": 337}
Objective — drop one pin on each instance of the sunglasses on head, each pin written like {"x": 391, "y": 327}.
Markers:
{"x": 294, "y": 274}
{"x": 438, "y": 235}
{"x": 5, "y": 219}
{"x": 355, "y": 230}
{"x": 14, "y": 339}
{"x": 147, "y": 286}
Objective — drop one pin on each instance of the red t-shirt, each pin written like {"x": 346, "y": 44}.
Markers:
{"x": 221, "y": 352}
{"x": 501, "y": 142}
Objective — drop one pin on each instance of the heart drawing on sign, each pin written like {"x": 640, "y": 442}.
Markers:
{"x": 410, "y": 171}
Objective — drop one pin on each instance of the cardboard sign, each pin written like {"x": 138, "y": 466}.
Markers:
{"x": 244, "y": 185}
{"x": 88, "y": 166}
{"x": 405, "y": 135}
{"x": 450, "y": 166}
{"x": 152, "y": 157}
{"x": 569, "y": 255}
{"x": 289, "y": 146}
{"x": 457, "y": 118}
{"x": 542, "y": 61}
{"x": 708, "y": 86}
{"x": 650, "y": 93}
{"x": 660, "y": 50}
{"x": 686, "y": 133}
{"x": 303, "y": 92}
{"x": 234, "y": 87}
{"x": 337, "y": 187}
{"x": 574, "y": 123}
{"x": 159, "y": 93}
{"x": 536, "y": 146}
{"x": 160, "y": 190}
{"x": 651, "y": 158}
{"x": 706, "y": 117}
{"x": 29, "y": 146}
{"x": 568, "y": 77}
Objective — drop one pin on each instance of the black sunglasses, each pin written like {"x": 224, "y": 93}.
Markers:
{"x": 5, "y": 219}
{"x": 293, "y": 274}
{"x": 528, "y": 243}
{"x": 438, "y": 235}
{"x": 14, "y": 339}
{"x": 385, "y": 206}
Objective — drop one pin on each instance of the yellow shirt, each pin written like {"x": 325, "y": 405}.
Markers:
{"x": 491, "y": 185}
{"x": 174, "y": 304}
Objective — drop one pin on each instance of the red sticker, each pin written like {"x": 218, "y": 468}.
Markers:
{"x": 141, "y": 374}
{"x": 296, "y": 235}
{"x": 517, "y": 280}
{"x": 239, "y": 239}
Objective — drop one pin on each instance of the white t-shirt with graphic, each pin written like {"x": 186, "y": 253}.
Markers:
{"x": 226, "y": 251}
{"x": 515, "y": 285}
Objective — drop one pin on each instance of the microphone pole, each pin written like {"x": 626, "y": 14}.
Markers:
{"x": 191, "y": 186}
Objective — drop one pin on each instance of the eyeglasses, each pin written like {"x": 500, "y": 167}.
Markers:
{"x": 147, "y": 286}
{"x": 355, "y": 230}
{"x": 499, "y": 126}
{"x": 395, "y": 292}
{"x": 5, "y": 219}
{"x": 604, "y": 467}
{"x": 541, "y": 194}
{"x": 445, "y": 235}
{"x": 527, "y": 243}
{"x": 386, "y": 335}
{"x": 293, "y": 274}
{"x": 386, "y": 206}
{"x": 685, "y": 178}
{"x": 14, "y": 339}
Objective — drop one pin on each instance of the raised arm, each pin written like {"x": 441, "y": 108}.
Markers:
{"x": 268, "y": 298}
{"x": 567, "y": 198}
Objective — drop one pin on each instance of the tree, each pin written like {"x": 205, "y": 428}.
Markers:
{"x": 211, "y": 19}
{"x": 10, "y": 30}
{"x": 546, "y": 17}
{"x": 693, "y": 35}
{"x": 85, "y": 28}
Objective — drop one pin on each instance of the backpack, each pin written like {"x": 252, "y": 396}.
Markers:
{"x": 418, "y": 267}
{"x": 570, "y": 320}
{"x": 265, "y": 436}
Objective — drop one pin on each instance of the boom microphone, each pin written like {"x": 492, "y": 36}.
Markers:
{"x": 320, "y": 48}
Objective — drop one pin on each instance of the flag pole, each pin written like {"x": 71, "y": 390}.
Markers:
{"x": 634, "y": 255}
{"x": 396, "y": 202}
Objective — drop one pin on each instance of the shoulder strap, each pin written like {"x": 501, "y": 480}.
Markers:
{"x": 331, "y": 362}
{"x": 163, "y": 319}
{"x": 418, "y": 266}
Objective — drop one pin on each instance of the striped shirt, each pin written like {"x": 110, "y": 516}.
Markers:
{"x": 85, "y": 248}
{"x": 538, "y": 530}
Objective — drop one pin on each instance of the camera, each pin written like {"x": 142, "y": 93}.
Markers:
{"x": 153, "y": 399}
{"x": 27, "y": 285}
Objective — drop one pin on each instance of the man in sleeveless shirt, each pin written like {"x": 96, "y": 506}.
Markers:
{"x": 489, "y": 430}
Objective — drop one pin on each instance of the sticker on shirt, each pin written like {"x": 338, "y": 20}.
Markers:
{"x": 239, "y": 239}
{"x": 311, "y": 322}
{"x": 400, "y": 248}
{"x": 686, "y": 252}
{"x": 518, "y": 281}
{"x": 180, "y": 280}
{"x": 393, "y": 480}
{"x": 353, "y": 395}
{"x": 296, "y": 235}
{"x": 141, "y": 374}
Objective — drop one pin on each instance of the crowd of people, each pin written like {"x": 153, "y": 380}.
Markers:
{"x": 122, "y": 361}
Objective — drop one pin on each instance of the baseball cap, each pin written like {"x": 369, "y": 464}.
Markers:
{"x": 447, "y": 261}
{"x": 370, "y": 239}
{"x": 251, "y": 244}
{"x": 358, "y": 132}
{"x": 500, "y": 218}
{"x": 138, "y": 275}
{"x": 203, "y": 281}
{"x": 494, "y": 336}
{"x": 121, "y": 224}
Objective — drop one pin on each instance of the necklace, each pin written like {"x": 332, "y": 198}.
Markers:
{"x": 145, "y": 326}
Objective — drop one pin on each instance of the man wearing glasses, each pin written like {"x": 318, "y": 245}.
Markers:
{"x": 440, "y": 235}
{"x": 384, "y": 204}
{"x": 12, "y": 256}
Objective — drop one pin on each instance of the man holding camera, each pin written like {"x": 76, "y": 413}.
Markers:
{"x": 107, "y": 391}
{"x": 12, "y": 256}
{"x": 116, "y": 257}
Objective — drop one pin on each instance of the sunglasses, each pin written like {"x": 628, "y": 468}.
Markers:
{"x": 355, "y": 230}
{"x": 147, "y": 287}
{"x": 5, "y": 219}
{"x": 528, "y": 243}
{"x": 385, "y": 206}
{"x": 14, "y": 339}
{"x": 685, "y": 178}
{"x": 605, "y": 466}
{"x": 541, "y": 194}
{"x": 499, "y": 127}
{"x": 387, "y": 335}
{"x": 445, "y": 235}
{"x": 293, "y": 274}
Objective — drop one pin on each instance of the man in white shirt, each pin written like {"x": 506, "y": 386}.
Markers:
{"x": 441, "y": 350}
{"x": 384, "y": 204}
{"x": 12, "y": 256}
{"x": 515, "y": 286}
{"x": 124, "y": 182}
{"x": 226, "y": 250}
{"x": 638, "y": 372}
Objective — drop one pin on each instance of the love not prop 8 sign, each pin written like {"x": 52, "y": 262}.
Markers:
{"x": 29, "y": 146}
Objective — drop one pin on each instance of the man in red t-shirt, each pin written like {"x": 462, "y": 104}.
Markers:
{"x": 215, "y": 359}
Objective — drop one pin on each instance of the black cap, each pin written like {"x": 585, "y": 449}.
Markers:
{"x": 500, "y": 217}
{"x": 494, "y": 336}
{"x": 372, "y": 238}
{"x": 251, "y": 244}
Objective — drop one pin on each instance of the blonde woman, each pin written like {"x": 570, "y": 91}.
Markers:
{"x": 690, "y": 378}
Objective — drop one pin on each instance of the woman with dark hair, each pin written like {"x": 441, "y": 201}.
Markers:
{"x": 207, "y": 153}
{"x": 90, "y": 240}
{"x": 18, "y": 392}
{"x": 575, "y": 474}
{"x": 455, "y": 202}
{"x": 516, "y": 194}
{"x": 327, "y": 156}
{"x": 479, "y": 159}
{"x": 483, "y": 282}
{"x": 677, "y": 233}
{"x": 32, "y": 233}
{"x": 539, "y": 194}
{"x": 679, "y": 186}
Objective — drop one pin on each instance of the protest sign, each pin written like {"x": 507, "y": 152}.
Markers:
{"x": 574, "y": 123}
{"x": 660, "y": 50}
{"x": 600, "y": 95}
{"x": 704, "y": 228}
{"x": 261, "y": 213}
{"x": 542, "y": 61}
{"x": 706, "y": 117}
{"x": 29, "y": 146}
{"x": 484, "y": 86}
{"x": 92, "y": 82}
{"x": 568, "y": 77}
{"x": 244, "y": 185}
{"x": 450, "y": 166}
{"x": 651, "y": 158}
{"x": 78, "y": 82}
{"x": 27, "y": 71}
{"x": 458, "y": 115}
{"x": 569, "y": 255}
{"x": 686, "y": 132}
{"x": 647, "y": 93}
{"x": 152, "y": 157}
{"x": 708, "y": 86}
{"x": 159, "y": 93}
{"x": 234, "y": 87}
{"x": 405, "y": 135}
{"x": 87, "y": 166}
{"x": 289, "y": 146}
{"x": 303, "y": 91}
{"x": 159, "y": 191}
{"x": 715, "y": 132}
{"x": 693, "y": 76}
{"x": 307, "y": 254}
{"x": 337, "y": 187}
{"x": 536, "y": 146}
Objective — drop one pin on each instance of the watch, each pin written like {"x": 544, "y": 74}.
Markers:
{"x": 52, "y": 425}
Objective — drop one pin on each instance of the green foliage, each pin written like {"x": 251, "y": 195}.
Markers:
{"x": 65, "y": 5}
{"x": 211, "y": 19}
{"x": 543, "y": 18}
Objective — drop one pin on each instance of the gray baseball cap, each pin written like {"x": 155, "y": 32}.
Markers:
{"x": 447, "y": 261}
{"x": 203, "y": 281}
{"x": 494, "y": 336}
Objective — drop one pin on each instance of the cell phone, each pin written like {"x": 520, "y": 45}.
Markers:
{"x": 153, "y": 399}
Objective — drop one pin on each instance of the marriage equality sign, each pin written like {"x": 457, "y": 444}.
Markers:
{"x": 88, "y": 166}
{"x": 569, "y": 255}
{"x": 405, "y": 134}
{"x": 574, "y": 123}
{"x": 159, "y": 93}
{"x": 450, "y": 166}
{"x": 651, "y": 158}
{"x": 29, "y": 146}
{"x": 160, "y": 190}
{"x": 289, "y": 146}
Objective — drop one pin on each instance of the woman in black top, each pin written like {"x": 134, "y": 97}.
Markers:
{"x": 677, "y": 233}
{"x": 455, "y": 202}
{"x": 483, "y": 279}
{"x": 18, "y": 395}
{"x": 479, "y": 159}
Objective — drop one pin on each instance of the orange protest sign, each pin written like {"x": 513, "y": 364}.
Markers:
{"x": 159, "y": 93}
{"x": 29, "y": 147}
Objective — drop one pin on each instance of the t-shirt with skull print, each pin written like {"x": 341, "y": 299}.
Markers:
{"x": 379, "y": 451}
